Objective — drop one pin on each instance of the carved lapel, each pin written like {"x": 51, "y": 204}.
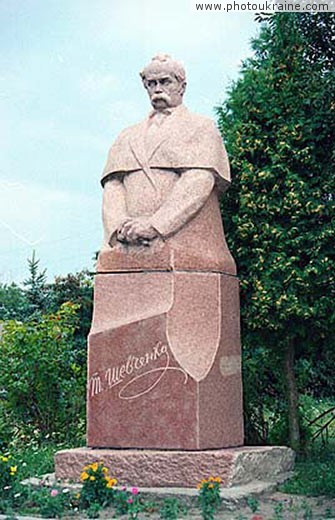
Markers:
{"x": 137, "y": 146}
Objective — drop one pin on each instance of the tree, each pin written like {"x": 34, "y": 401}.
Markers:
{"x": 13, "y": 303}
{"x": 78, "y": 289}
{"x": 279, "y": 127}
{"x": 36, "y": 292}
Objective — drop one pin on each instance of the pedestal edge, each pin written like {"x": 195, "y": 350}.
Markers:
{"x": 172, "y": 468}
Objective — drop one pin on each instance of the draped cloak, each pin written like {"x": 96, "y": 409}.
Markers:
{"x": 148, "y": 170}
{"x": 187, "y": 263}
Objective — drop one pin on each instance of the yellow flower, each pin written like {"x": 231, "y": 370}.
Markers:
{"x": 92, "y": 478}
{"x": 77, "y": 496}
{"x": 210, "y": 486}
{"x": 218, "y": 480}
{"x": 13, "y": 470}
{"x": 84, "y": 476}
{"x": 105, "y": 470}
{"x": 4, "y": 459}
{"x": 111, "y": 482}
{"x": 202, "y": 483}
{"x": 94, "y": 466}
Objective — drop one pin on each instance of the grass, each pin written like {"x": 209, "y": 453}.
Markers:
{"x": 36, "y": 461}
{"x": 314, "y": 473}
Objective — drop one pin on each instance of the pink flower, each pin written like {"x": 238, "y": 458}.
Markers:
{"x": 124, "y": 488}
{"x": 130, "y": 500}
{"x": 54, "y": 492}
{"x": 134, "y": 491}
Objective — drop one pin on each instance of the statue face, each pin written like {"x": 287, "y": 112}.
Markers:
{"x": 164, "y": 89}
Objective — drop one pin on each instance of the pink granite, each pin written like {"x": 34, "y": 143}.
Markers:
{"x": 161, "y": 183}
{"x": 200, "y": 245}
{"x": 164, "y": 367}
{"x": 153, "y": 468}
{"x": 164, "y": 361}
{"x": 164, "y": 391}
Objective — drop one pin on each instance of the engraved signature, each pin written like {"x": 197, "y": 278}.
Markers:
{"x": 127, "y": 375}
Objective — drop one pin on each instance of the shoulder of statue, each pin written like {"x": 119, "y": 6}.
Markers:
{"x": 130, "y": 131}
{"x": 198, "y": 120}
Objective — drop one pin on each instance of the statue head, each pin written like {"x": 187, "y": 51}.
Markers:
{"x": 165, "y": 81}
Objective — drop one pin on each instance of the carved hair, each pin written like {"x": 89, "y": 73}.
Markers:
{"x": 165, "y": 62}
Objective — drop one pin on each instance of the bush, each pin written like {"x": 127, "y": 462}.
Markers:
{"x": 43, "y": 385}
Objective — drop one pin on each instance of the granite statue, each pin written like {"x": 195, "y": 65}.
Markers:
{"x": 165, "y": 331}
{"x": 164, "y": 174}
{"x": 164, "y": 392}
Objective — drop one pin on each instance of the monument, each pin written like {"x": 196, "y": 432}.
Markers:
{"x": 164, "y": 392}
{"x": 164, "y": 349}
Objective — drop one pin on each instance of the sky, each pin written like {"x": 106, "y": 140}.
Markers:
{"x": 69, "y": 83}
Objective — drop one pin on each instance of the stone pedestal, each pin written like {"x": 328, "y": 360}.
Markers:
{"x": 164, "y": 365}
{"x": 184, "y": 469}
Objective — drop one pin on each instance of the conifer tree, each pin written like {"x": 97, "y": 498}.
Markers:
{"x": 279, "y": 127}
{"x": 36, "y": 291}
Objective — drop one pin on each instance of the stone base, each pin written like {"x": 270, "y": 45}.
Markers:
{"x": 164, "y": 362}
{"x": 167, "y": 468}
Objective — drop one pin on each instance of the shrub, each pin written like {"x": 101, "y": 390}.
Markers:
{"x": 44, "y": 385}
{"x": 98, "y": 486}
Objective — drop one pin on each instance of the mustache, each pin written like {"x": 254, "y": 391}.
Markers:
{"x": 162, "y": 96}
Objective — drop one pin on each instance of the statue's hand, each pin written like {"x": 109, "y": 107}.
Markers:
{"x": 137, "y": 230}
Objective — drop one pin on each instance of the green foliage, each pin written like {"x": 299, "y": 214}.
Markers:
{"x": 318, "y": 32}
{"x": 36, "y": 293}
{"x": 43, "y": 383}
{"x": 172, "y": 509}
{"x": 279, "y": 511}
{"x": 34, "y": 458}
{"x": 209, "y": 497}
{"x": 45, "y": 328}
{"x": 98, "y": 486}
{"x": 13, "y": 303}
{"x": 279, "y": 127}
{"x": 8, "y": 481}
{"x": 38, "y": 297}
{"x": 314, "y": 475}
{"x": 77, "y": 288}
{"x": 52, "y": 503}
{"x": 99, "y": 491}
{"x": 253, "y": 503}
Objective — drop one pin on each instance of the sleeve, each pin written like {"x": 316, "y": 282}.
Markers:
{"x": 114, "y": 209}
{"x": 186, "y": 198}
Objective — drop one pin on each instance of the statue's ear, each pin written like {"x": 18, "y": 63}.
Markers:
{"x": 183, "y": 87}
{"x": 143, "y": 80}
